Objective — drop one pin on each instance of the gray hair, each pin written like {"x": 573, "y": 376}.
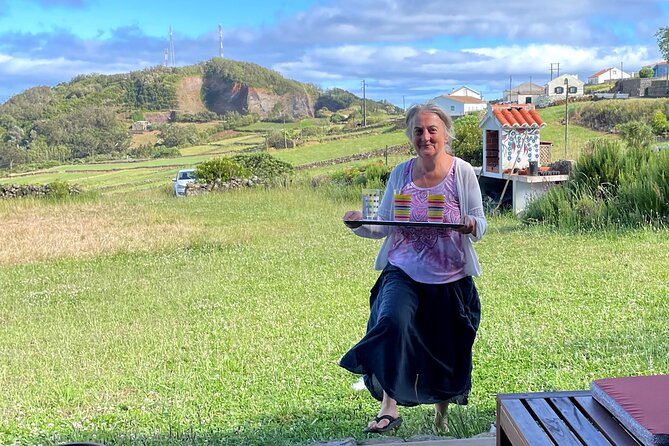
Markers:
{"x": 430, "y": 107}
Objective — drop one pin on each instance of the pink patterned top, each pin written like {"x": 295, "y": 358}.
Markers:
{"x": 430, "y": 255}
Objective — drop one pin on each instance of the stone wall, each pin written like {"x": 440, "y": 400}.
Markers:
{"x": 644, "y": 87}
{"x": 31, "y": 190}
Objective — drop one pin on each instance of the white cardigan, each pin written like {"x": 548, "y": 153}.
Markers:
{"x": 469, "y": 194}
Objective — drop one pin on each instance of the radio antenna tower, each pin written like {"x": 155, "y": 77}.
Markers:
{"x": 220, "y": 40}
{"x": 171, "y": 46}
{"x": 167, "y": 57}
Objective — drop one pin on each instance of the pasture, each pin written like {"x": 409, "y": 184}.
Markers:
{"x": 130, "y": 317}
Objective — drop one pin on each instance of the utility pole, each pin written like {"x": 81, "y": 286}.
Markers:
{"x": 566, "y": 116}
{"x": 220, "y": 41}
{"x": 364, "y": 105}
{"x": 556, "y": 64}
{"x": 404, "y": 105}
{"x": 167, "y": 57}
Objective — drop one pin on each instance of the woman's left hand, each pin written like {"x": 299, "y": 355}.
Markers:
{"x": 469, "y": 225}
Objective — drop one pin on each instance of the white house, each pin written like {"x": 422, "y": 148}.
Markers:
{"x": 457, "y": 106}
{"x": 525, "y": 93}
{"x": 466, "y": 91}
{"x": 608, "y": 75}
{"x": 561, "y": 86}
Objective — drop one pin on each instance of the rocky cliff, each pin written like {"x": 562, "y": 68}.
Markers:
{"x": 225, "y": 96}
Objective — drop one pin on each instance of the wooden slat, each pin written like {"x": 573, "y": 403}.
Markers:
{"x": 555, "y": 426}
{"x": 579, "y": 423}
{"x": 535, "y": 395}
{"x": 606, "y": 423}
{"x": 519, "y": 426}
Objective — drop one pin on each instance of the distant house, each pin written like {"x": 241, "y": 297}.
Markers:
{"x": 466, "y": 91}
{"x": 660, "y": 69}
{"x": 139, "y": 126}
{"x": 525, "y": 93}
{"x": 611, "y": 74}
{"x": 559, "y": 87}
{"x": 457, "y": 106}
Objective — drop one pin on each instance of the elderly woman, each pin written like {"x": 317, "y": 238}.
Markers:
{"x": 424, "y": 307}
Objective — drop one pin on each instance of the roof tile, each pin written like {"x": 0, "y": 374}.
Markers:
{"x": 517, "y": 115}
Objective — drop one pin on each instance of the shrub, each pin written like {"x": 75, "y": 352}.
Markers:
{"x": 59, "y": 189}
{"x": 279, "y": 140}
{"x": 468, "y": 142}
{"x": 219, "y": 169}
{"x": 612, "y": 185}
{"x": 659, "y": 123}
{"x": 636, "y": 134}
{"x": 264, "y": 165}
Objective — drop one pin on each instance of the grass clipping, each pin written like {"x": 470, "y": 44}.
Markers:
{"x": 46, "y": 232}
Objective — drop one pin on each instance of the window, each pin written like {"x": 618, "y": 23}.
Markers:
{"x": 559, "y": 90}
{"x": 452, "y": 107}
{"x": 528, "y": 99}
{"x": 573, "y": 90}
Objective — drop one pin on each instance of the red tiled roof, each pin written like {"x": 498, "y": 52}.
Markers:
{"x": 599, "y": 73}
{"x": 516, "y": 115}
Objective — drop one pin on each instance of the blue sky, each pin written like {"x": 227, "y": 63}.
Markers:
{"x": 407, "y": 51}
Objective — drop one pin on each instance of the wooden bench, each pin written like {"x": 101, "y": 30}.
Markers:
{"x": 557, "y": 418}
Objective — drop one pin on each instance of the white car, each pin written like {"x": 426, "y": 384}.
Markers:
{"x": 184, "y": 177}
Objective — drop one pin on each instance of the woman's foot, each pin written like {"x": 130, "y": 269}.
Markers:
{"x": 387, "y": 416}
{"x": 441, "y": 417}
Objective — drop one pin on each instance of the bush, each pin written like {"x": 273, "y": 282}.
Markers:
{"x": 279, "y": 140}
{"x": 606, "y": 115}
{"x": 220, "y": 169}
{"x": 636, "y": 134}
{"x": 612, "y": 185}
{"x": 659, "y": 123}
{"x": 371, "y": 175}
{"x": 468, "y": 142}
{"x": 59, "y": 189}
{"x": 264, "y": 165}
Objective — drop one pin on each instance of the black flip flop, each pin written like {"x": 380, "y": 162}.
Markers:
{"x": 393, "y": 423}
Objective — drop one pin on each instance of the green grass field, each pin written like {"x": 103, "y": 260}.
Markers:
{"x": 577, "y": 136}
{"x": 220, "y": 319}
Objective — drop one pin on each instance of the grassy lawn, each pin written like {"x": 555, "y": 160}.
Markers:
{"x": 220, "y": 319}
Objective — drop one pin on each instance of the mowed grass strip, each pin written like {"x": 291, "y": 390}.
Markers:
{"x": 231, "y": 333}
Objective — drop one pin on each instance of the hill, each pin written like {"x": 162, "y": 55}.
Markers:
{"x": 218, "y": 85}
{"x": 92, "y": 114}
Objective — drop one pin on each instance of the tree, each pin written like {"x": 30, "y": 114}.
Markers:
{"x": 646, "y": 72}
{"x": 175, "y": 135}
{"x": 662, "y": 35}
{"x": 468, "y": 142}
{"x": 10, "y": 154}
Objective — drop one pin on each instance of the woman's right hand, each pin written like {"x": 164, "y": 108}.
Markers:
{"x": 351, "y": 216}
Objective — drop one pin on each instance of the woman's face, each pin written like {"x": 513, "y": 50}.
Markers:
{"x": 428, "y": 134}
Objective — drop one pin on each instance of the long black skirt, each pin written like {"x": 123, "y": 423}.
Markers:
{"x": 418, "y": 346}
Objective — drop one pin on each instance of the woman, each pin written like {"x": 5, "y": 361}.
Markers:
{"x": 424, "y": 307}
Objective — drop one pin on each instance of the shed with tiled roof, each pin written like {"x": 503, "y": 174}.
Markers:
{"x": 511, "y": 137}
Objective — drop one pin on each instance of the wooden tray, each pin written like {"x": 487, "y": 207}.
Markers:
{"x": 414, "y": 224}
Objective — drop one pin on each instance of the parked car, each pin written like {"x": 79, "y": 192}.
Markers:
{"x": 184, "y": 177}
